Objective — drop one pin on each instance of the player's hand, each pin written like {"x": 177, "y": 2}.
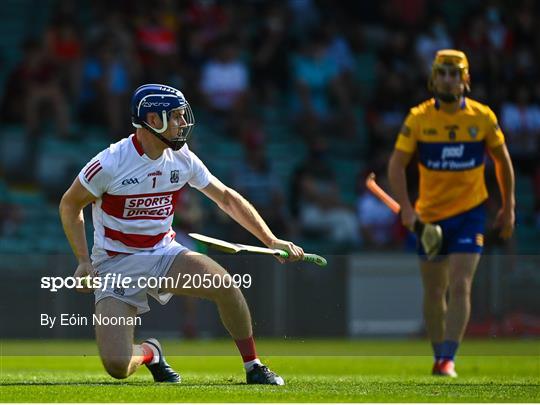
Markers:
{"x": 505, "y": 221}
{"x": 83, "y": 270}
{"x": 295, "y": 252}
{"x": 408, "y": 218}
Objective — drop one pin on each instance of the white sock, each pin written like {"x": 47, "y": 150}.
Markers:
{"x": 248, "y": 365}
{"x": 155, "y": 351}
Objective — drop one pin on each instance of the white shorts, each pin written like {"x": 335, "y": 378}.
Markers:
{"x": 137, "y": 266}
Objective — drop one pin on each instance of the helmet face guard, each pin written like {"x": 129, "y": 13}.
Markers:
{"x": 448, "y": 59}
{"x": 162, "y": 100}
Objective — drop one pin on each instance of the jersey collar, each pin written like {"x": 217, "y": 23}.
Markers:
{"x": 140, "y": 151}
{"x": 462, "y": 105}
{"x": 137, "y": 145}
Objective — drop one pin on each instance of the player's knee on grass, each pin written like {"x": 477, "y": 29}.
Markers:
{"x": 117, "y": 366}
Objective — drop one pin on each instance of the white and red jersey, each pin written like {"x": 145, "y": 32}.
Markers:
{"x": 137, "y": 195}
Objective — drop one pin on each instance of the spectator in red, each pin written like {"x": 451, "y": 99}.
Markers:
{"x": 157, "y": 44}
{"x": 40, "y": 77}
{"x": 64, "y": 45}
{"x": 205, "y": 21}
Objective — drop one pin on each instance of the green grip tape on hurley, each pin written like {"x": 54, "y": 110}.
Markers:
{"x": 308, "y": 257}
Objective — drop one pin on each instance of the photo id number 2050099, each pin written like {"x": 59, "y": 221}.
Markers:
{"x": 215, "y": 280}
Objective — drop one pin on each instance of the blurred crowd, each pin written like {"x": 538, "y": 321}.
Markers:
{"x": 336, "y": 70}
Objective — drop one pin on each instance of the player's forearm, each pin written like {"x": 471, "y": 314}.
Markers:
{"x": 73, "y": 224}
{"x": 239, "y": 209}
{"x": 398, "y": 184}
{"x": 505, "y": 178}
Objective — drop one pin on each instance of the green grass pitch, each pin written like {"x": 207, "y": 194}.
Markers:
{"x": 314, "y": 371}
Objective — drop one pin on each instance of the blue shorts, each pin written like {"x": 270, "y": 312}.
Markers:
{"x": 462, "y": 233}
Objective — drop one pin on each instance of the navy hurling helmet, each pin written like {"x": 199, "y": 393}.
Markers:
{"x": 161, "y": 99}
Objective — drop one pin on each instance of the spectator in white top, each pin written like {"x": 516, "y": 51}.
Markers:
{"x": 225, "y": 80}
{"x": 521, "y": 121}
{"x": 318, "y": 205}
{"x": 224, "y": 84}
{"x": 428, "y": 43}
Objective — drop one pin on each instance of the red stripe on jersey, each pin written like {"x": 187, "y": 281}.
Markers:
{"x": 91, "y": 175}
{"x": 135, "y": 240}
{"x": 91, "y": 167}
{"x": 115, "y": 205}
{"x": 137, "y": 145}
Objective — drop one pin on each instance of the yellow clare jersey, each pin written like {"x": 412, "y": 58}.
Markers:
{"x": 451, "y": 152}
